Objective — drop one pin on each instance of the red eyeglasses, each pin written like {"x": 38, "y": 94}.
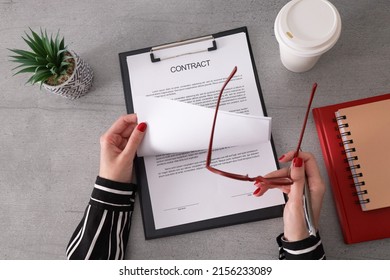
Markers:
{"x": 275, "y": 181}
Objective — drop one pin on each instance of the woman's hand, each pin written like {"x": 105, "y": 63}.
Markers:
{"x": 294, "y": 219}
{"x": 118, "y": 147}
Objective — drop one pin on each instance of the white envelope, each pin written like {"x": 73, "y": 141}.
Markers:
{"x": 175, "y": 127}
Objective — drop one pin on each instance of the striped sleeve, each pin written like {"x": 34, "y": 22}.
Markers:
{"x": 307, "y": 249}
{"x": 104, "y": 229}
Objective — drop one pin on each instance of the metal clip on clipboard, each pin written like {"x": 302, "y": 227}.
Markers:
{"x": 182, "y": 43}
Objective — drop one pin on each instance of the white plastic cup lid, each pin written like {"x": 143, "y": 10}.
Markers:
{"x": 308, "y": 27}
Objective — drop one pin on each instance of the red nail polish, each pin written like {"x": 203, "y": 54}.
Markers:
{"x": 256, "y": 191}
{"x": 142, "y": 127}
{"x": 282, "y": 157}
{"x": 297, "y": 162}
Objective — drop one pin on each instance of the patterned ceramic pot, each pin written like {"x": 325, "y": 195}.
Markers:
{"x": 79, "y": 82}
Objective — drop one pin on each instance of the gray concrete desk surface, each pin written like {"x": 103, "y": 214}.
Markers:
{"x": 49, "y": 153}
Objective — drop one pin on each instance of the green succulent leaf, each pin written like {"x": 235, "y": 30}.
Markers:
{"x": 30, "y": 80}
{"x": 35, "y": 46}
{"x": 17, "y": 57}
{"x": 39, "y": 67}
{"x": 53, "y": 70}
{"x": 46, "y": 45}
{"x": 62, "y": 45}
{"x": 61, "y": 52}
{"x": 37, "y": 38}
{"x": 41, "y": 76}
{"x": 26, "y": 70}
{"x": 64, "y": 63}
{"x": 27, "y": 64}
{"x": 23, "y": 53}
{"x": 49, "y": 65}
{"x": 40, "y": 60}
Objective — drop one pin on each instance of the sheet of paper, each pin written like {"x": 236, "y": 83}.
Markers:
{"x": 192, "y": 128}
{"x": 182, "y": 190}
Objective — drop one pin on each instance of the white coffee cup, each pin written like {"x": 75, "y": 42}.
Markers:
{"x": 305, "y": 29}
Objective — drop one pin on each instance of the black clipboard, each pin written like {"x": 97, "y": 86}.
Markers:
{"x": 146, "y": 207}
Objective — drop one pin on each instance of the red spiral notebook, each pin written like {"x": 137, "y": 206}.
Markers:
{"x": 357, "y": 225}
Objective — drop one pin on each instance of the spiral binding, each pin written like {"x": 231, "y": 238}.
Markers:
{"x": 347, "y": 133}
{"x": 350, "y": 159}
{"x": 353, "y": 167}
{"x": 350, "y": 150}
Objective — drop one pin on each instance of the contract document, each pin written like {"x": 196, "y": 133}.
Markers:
{"x": 176, "y": 97}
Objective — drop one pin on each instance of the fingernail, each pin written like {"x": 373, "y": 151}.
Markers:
{"x": 256, "y": 192}
{"x": 142, "y": 127}
{"x": 297, "y": 162}
{"x": 282, "y": 157}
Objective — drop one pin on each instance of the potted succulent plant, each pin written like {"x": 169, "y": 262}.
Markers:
{"x": 54, "y": 67}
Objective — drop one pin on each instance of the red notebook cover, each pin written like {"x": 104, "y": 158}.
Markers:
{"x": 356, "y": 225}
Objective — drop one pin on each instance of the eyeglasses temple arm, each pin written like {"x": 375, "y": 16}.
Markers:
{"x": 307, "y": 205}
{"x": 313, "y": 90}
{"x": 208, "y": 161}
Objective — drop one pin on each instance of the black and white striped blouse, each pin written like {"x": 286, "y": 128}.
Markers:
{"x": 307, "y": 249}
{"x": 104, "y": 229}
